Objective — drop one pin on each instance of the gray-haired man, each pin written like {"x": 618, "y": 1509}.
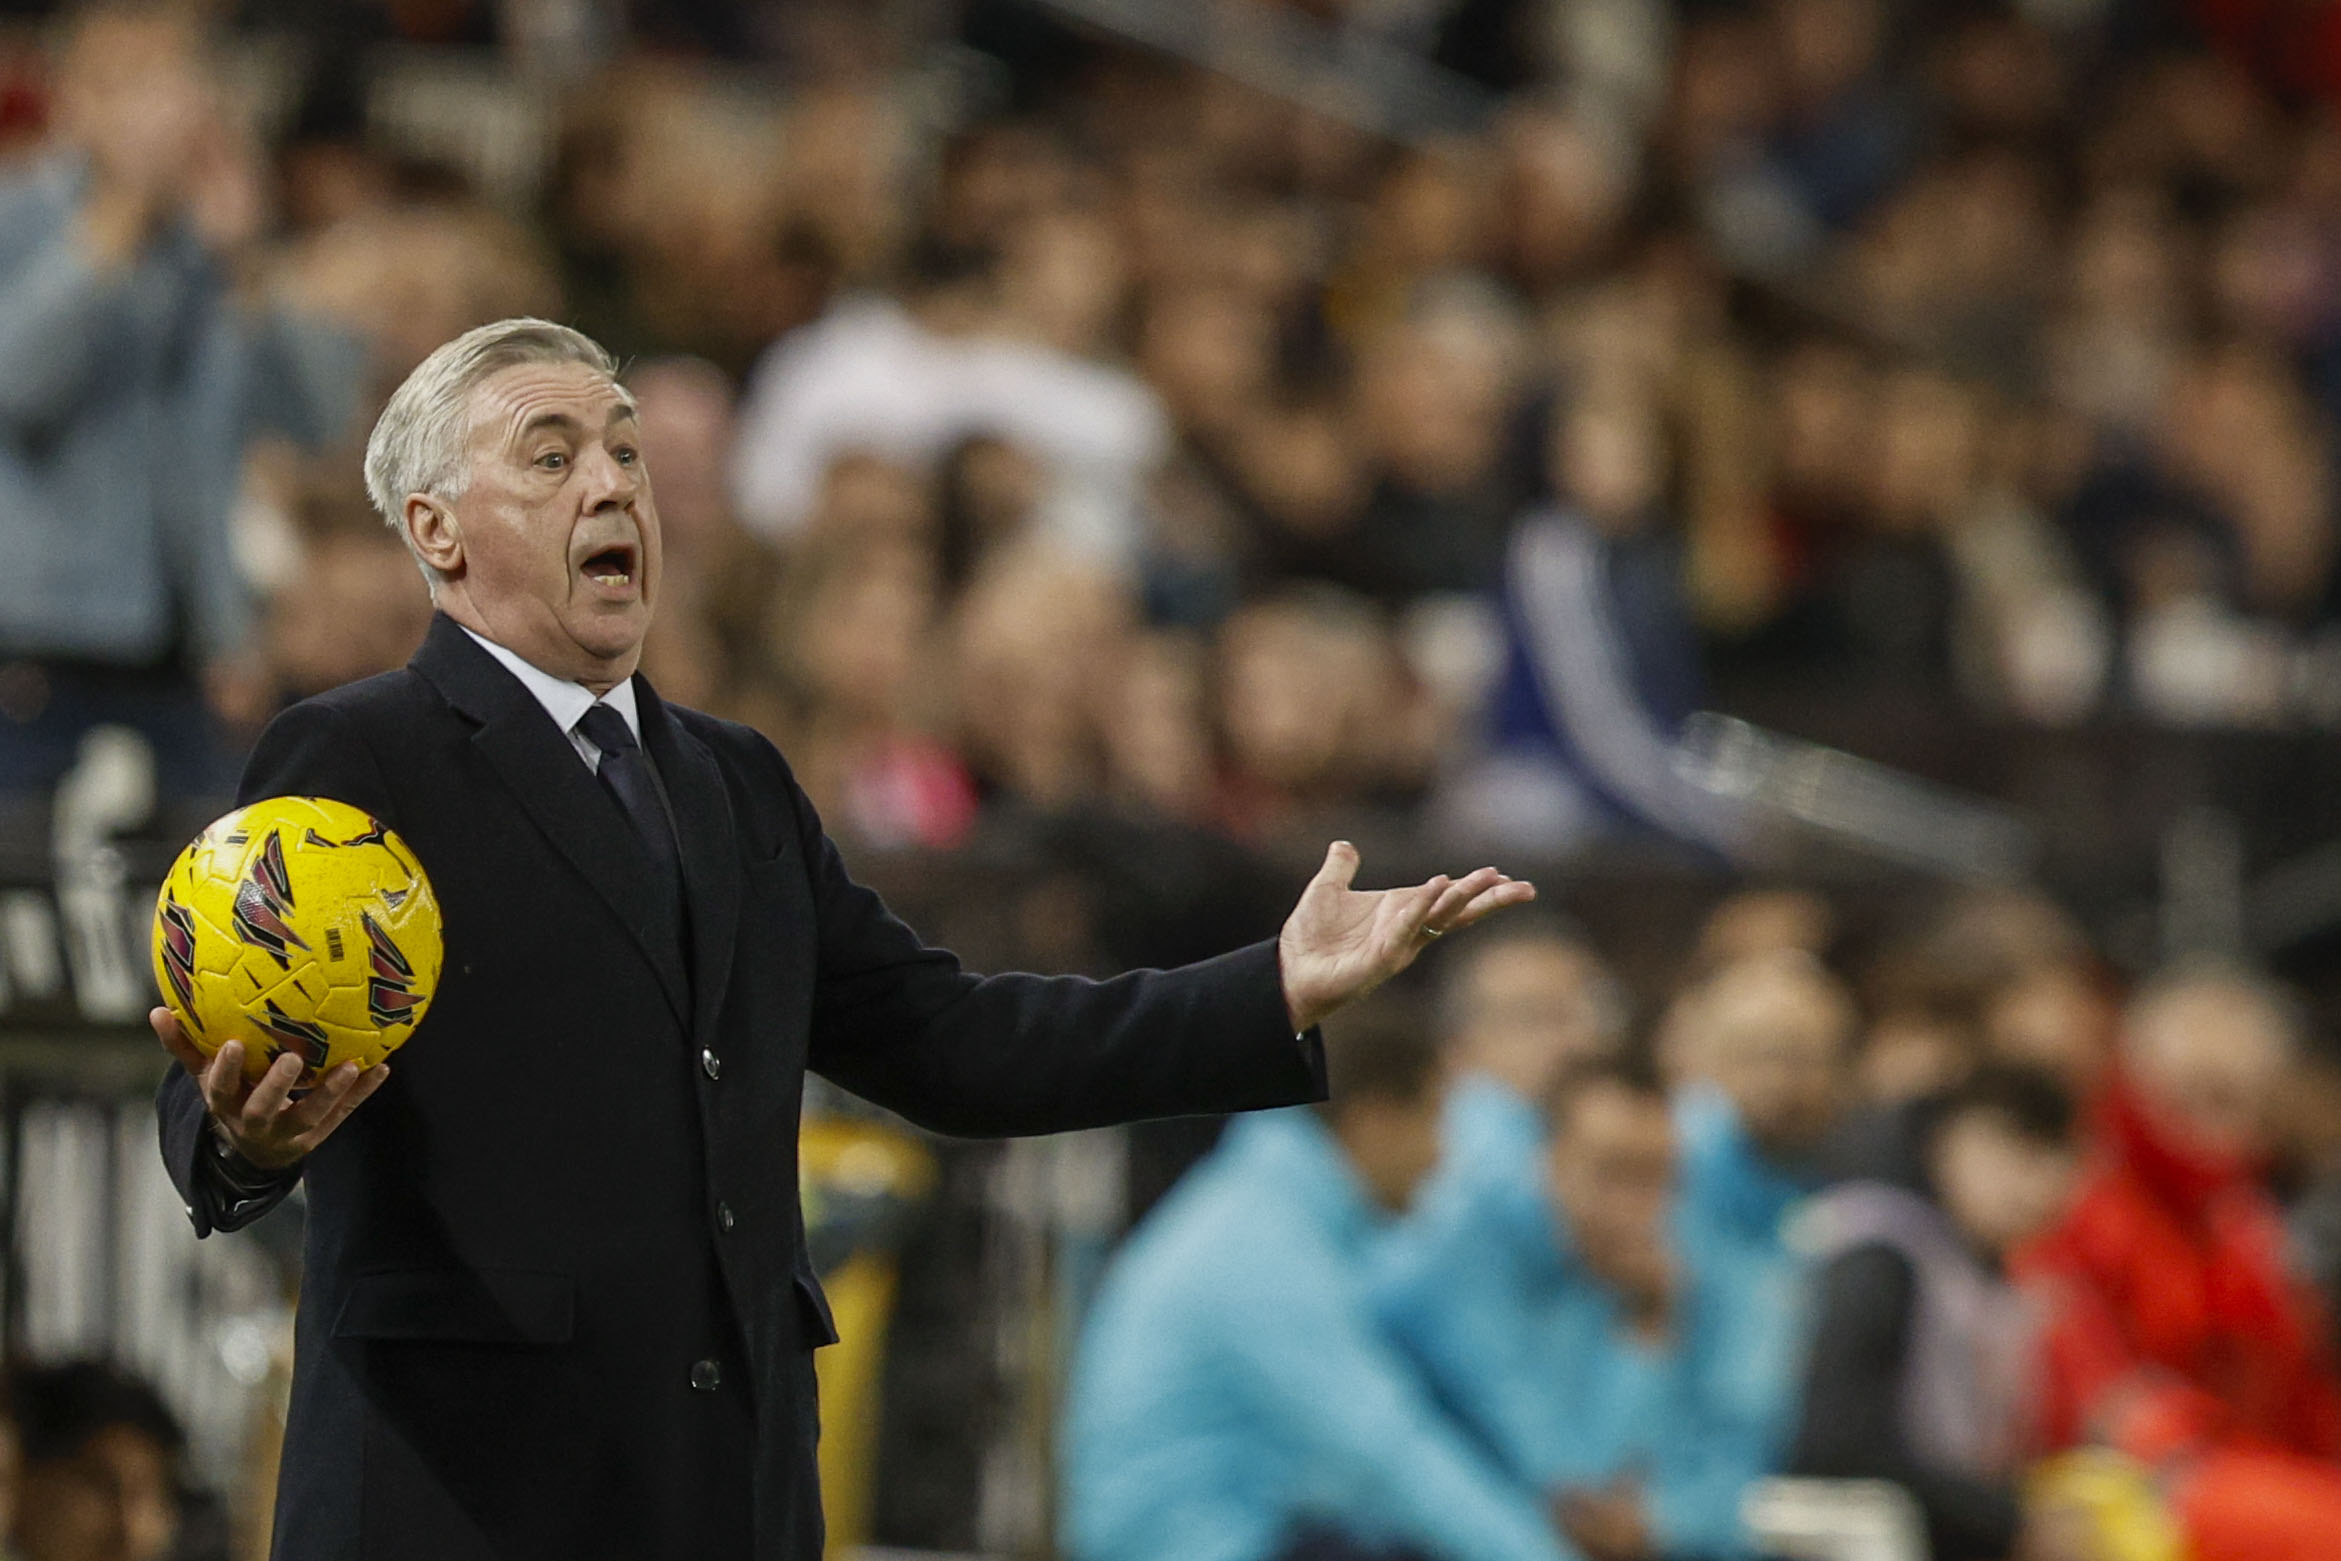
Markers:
{"x": 557, "y": 1301}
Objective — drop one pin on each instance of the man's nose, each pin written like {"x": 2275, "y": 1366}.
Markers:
{"x": 609, "y": 480}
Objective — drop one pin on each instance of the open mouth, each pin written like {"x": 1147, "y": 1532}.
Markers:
{"x": 612, "y": 565}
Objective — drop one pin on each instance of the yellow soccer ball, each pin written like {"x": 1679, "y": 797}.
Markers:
{"x": 298, "y": 924}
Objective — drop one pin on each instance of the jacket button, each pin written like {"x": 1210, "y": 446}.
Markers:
{"x": 723, "y": 1215}
{"x": 711, "y": 1064}
{"x": 706, "y": 1376}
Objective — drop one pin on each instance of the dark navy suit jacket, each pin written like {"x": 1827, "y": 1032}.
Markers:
{"x": 556, "y": 1300}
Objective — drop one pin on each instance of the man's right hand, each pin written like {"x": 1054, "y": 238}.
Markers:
{"x": 262, "y": 1119}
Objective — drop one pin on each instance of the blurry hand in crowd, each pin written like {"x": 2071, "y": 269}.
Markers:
{"x": 1608, "y": 1523}
{"x": 270, "y": 1121}
{"x": 1340, "y": 943}
{"x": 132, "y": 97}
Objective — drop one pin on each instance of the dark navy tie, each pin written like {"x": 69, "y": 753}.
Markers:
{"x": 625, "y": 770}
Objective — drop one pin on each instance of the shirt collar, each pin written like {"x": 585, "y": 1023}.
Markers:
{"x": 564, "y": 701}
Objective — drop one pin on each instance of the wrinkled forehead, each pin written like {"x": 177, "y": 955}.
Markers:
{"x": 513, "y": 402}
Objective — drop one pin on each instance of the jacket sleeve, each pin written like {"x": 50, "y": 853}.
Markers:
{"x": 309, "y": 750}
{"x": 1850, "y": 1429}
{"x": 904, "y": 1025}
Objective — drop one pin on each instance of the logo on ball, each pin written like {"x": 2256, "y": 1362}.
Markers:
{"x": 303, "y": 1039}
{"x": 390, "y": 987}
{"x": 178, "y": 951}
{"x": 264, "y": 900}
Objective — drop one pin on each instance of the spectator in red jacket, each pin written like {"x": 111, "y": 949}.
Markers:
{"x": 2175, "y": 1242}
{"x": 2182, "y": 1338}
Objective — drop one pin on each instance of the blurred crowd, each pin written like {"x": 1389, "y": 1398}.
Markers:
{"x": 1040, "y": 424}
{"x": 1081, "y": 426}
{"x": 1556, "y": 1274}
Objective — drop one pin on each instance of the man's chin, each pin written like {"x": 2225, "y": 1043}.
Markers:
{"x": 613, "y": 637}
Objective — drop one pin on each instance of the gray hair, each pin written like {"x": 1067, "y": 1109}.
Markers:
{"x": 418, "y": 443}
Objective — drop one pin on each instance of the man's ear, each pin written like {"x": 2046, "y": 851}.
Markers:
{"x": 435, "y": 532}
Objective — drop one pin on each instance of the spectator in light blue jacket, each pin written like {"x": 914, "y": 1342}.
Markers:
{"x": 1516, "y": 1005}
{"x": 1766, "y": 1040}
{"x": 1600, "y": 1369}
{"x": 131, "y": 381}
{"x": 1233, "y": 1398}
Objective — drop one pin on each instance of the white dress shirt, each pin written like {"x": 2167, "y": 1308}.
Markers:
{"x": 566, "y": 702}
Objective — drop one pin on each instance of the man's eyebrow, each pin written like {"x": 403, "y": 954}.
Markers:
{"x": 548, "y": 420}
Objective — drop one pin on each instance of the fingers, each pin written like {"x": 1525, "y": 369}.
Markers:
{"x": 323, "y": 1108}
{"x": 269, "y": 1095}
{"x": 1422, "y": 902}
{"x": 1458, "y": 893}
{"x": 1464, "y": 900}
{"x": 1340, "y": 866}
{"x": 168, "y": 1030}
{"x": 1512, "y": 891}
{"x": 298, "y": 1116}
{"x": 360, "y": 1090}
{"x": 223, "y": 1082}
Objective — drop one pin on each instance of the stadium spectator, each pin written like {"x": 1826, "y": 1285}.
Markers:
{"x": 1599, "y": 1366}
{"x": 1516, "y": 1012}
{"x": 101, "y": 1465}
{"x": 1234, "y": 1398}
{"x": 1928, "y": 1365}
{"x": 910, "y": 383}
{"x": 1603, "y": 666}
{"x": 131, "y": 382}
{"x": 2176, "y": 1240}
{"x": 1767, "y": 1040}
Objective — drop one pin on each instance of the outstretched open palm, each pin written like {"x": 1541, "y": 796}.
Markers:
{"x": 1340, "y": 943}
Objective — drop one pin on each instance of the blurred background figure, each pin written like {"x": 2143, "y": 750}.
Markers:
{"x": 1927, "y": 1363}
{"x": 2175, "y": 1239}
{"x": 1102, "y": 457}
{"x": 101, "y": 1465}
{"x": 1600, "y": 1365}
{"x": 134, "y": 377}
{"x": 1234, "y": 1395}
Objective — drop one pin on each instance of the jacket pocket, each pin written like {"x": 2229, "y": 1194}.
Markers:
{"x": 813, "y": 1311}
{"x": 472, "y": 1306}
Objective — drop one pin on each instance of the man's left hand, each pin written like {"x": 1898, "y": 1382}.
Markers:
{"x": 1340, "y": 943}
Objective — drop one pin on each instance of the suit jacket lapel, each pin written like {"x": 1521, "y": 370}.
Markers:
{"x": 709, "y": 847}
{"x": 552, "y": 785}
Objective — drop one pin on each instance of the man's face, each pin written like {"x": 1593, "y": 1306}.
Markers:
{"x": 1775, "y": 1046}
{"x": 113, "y": 1500}
{"x": 1999, "y": 1187}
{"x": 1394, "y": 1144}
{"x": 1610, "y": 1174}
{"x": 2211, "y": 1060}
{"x": 1528, "y": 1008}
{"x": 553, "y": 549}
